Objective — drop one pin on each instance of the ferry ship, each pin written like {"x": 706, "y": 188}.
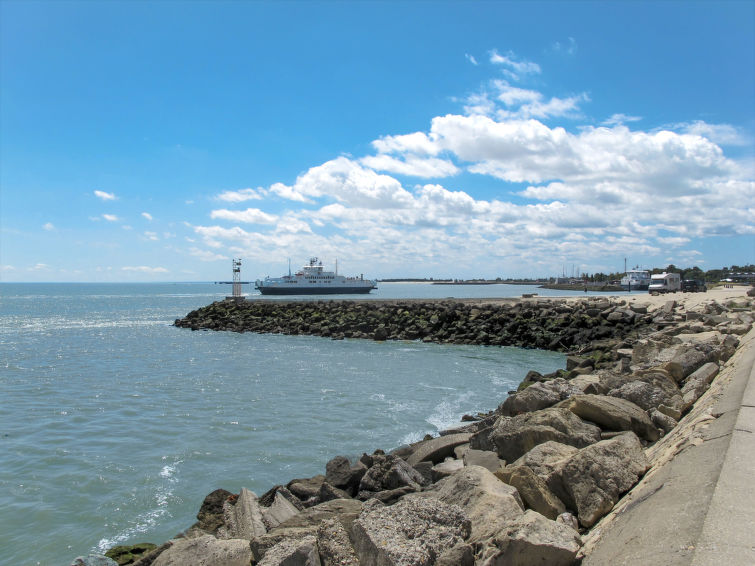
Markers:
{"x": 636, "y": 280}
{"x": 312, "y": 279}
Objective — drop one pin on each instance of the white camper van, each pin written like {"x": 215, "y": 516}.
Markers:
{"x": 665, "y": 283}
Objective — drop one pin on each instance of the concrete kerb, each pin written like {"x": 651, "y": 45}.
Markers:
{"x": 697, "y": 499}
{"x": 728, "y": 534}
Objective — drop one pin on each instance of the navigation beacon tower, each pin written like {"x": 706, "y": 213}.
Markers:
{"x": 236, "y": 279}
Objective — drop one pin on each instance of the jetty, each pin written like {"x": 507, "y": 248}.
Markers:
{"x": 640, "y": 451}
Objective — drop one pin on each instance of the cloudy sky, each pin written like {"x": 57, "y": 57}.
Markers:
{"x": 155, "y": 141}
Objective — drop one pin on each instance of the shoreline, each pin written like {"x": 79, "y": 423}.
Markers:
{"x": 657, "y": 320}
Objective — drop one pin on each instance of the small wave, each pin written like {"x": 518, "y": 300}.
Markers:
{"x": 448, "y": 412}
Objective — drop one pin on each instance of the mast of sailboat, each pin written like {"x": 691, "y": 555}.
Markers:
{"x": 289, "y": 267}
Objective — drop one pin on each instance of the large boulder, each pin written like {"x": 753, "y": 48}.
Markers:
{"x": 334, "y": 545}
{"x": 281, "y": 510}
{"x": 306, "y": 489}
{"x": 205, "y": 551}
{"x": 697, "y": 383}
{"x": 592, "y": 480}
{"x": 261, "y": 545}
{"x": 687, "y": 358}
{"x": 437, "y": 449}
{"x": 612, "y": 413}
{"x": 544, "y": 458}
{"x": 486, "y": 458}
{"x": 243, "y": 518}
{"x": 345, "y": 510}
{"x": 210, "y": 517}
{"x": 648, "y": 389}
{"x": 341, "y": 474}
{"x": 488, "y": 502}
{"x": 533, "y": 490}
{"x": 533, "y": 539}
{"x": 512, "y": 437}
{"x": 538, "y": 396}
{"x": 413, "y": 532}
{"x": 445, "y": 469}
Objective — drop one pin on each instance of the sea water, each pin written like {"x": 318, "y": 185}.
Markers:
{"x": 114, "y": 424}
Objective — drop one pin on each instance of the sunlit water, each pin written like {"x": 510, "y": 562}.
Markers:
{"x": 114, "y": 424}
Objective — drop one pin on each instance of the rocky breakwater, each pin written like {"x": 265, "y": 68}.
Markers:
{"x": 555, "y": 324}
{"x": 523, "y": 485}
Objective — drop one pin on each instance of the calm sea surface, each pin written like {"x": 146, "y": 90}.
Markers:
{"x": 114, "y": 425}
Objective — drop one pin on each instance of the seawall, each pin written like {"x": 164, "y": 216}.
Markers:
{"x": 644, "y": 445}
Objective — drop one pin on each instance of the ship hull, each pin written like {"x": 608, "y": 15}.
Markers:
{"x": 314, "y": 290}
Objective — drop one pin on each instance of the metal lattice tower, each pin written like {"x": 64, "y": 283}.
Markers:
{"x": 236, "y": 277}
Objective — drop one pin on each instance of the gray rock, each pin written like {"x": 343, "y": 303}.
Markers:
{"x": 206, "y": 550}
{"x": 512, "y": 437}
{"x": 387, "y": 496}
{"x": 460, "y": 450}
{"x": 569, "y": 520}
{"x": 328, "y": 493}
{"x": 267, "y": 499}
{"x": 488, "y": 502}
{"x": 425, "y": 469}
{"x": 437, "y": 449}
{"x": 687, "y": 359}
{"x": 544, "y": 458}
{"x": 533, "y": 539}
{"x": 345, "y": 510}
{"x": 662, "y": 389}
{"x": 445, "y": 469}
{"x": 306, "y": 488}
{"x": 459, "y": 555}
{"x": 243, "y": 518}
{"x": 261, "y": 545}
{"x": 334, "y": 545}
{"x": 662, "y": 421}
{"x": 293, "y": 552}
{"x": 534, "y": 492}
{"x": 340, "y": 473}
{"x": 93, "y": 560}
{"x": 413, "y": 532}
{"x": 697, "y": 383}
{"x": 488, "y": 459}
{"x": 210, "y": 516}
{"x": 391, "y": 472}
{"x": 538, "y": 396}
{"x": 612, "y": 413}
{"x": 595, "y": 477}
{"x": 589, "y": 383}
{"x": 281, "y": 510}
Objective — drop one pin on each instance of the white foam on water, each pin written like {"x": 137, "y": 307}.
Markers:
{"x": 447, "y": 414}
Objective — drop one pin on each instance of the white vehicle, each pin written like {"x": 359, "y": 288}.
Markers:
{"x": 665, "y": 283}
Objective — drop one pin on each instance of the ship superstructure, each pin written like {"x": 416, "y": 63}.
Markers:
{"x": 313, "y": 279}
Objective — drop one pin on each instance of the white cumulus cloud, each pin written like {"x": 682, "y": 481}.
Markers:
{"x": 241, "y": 195}
{"x": 104, "y": 196}
{"x": 249, "y": 216}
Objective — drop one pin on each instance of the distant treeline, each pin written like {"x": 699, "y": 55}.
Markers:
{"x": 735, "y": 272}
{"x": 712, "y": 275}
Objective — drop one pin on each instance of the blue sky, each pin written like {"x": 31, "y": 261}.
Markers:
{"x": 154, "y": 141}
